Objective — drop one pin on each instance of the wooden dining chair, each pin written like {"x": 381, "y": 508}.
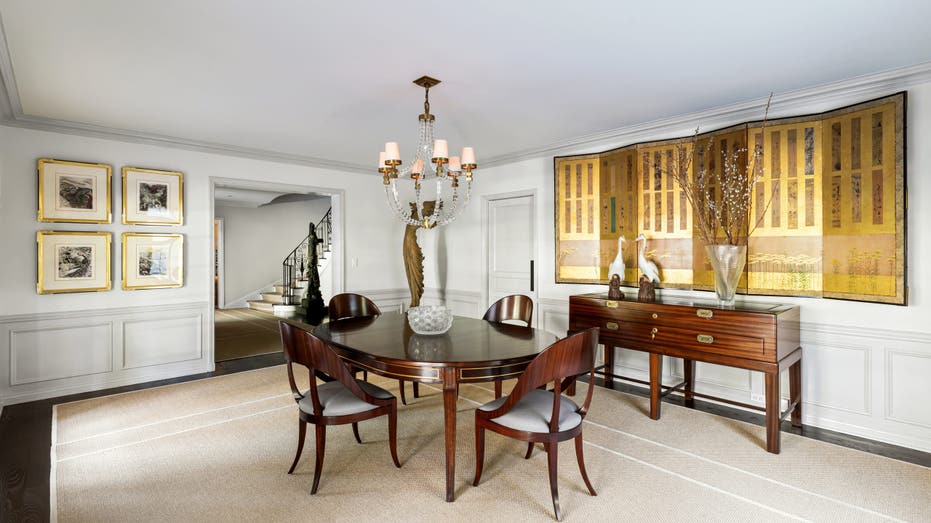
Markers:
{"x": 514, "y": 307}
{"x": 351, "y": 305}
{"x": 536, "y": 415}
{"x": 340, "y": 399}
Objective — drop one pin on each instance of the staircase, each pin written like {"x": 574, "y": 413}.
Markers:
{"x": 287, "y": 297}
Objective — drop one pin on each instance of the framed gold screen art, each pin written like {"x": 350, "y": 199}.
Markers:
{"x": 152, "y": 197}
{"x": 829, "y": 207}
{"x": 73, "y": 261}
{"x": 152, "y": 261}
{"x": 73, "y": 191}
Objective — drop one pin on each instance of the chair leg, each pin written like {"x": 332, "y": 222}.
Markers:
{"x": 355, "y": 432}
{"x": 497, "y": 389}
{"x": 301, "y": 432}
{"x": 578, "y": 455}
{"x": 479, "y": 453}
{"x": 529, "y": 450}
{"x": 401, "y": 387}
{"x": 321, "y": 447}
{"x": 416, "y": 389}
{"x": 393, "y": 433}
{"x": 552, "y": 454}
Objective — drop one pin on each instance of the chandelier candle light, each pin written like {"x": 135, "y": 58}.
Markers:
{"x": 431, "y": 163}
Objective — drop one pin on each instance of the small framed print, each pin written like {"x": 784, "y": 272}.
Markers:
{"x": 73, "y": 261}
{"x": 152, "y": 261}
{"x": 74, "y": 191}
{"x": 152, "y": 197}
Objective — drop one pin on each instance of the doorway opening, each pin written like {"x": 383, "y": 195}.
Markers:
{"x": 262, "y": 260}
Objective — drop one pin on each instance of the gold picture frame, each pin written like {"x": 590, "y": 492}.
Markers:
{"x": 75, "y": 192}
{"x": 152, "y": 197}
{"x": 152, "y": 261}
{"x": 73, "y": 261}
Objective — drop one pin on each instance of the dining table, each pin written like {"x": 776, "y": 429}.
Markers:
{"x": 471, "y": 351}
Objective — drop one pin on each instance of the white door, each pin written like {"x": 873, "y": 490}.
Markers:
{"x": 511, "y": 248}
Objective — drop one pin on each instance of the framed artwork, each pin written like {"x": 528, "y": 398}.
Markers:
{"x": 828, "y": 207}
{"x": 152, "y": 261}
{"x": 73, "y": 261}
{"x": 152, "y": 197}
{"x": 73, "y": 191}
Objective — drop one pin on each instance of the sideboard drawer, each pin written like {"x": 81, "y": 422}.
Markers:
{"x": 654, "y": 337}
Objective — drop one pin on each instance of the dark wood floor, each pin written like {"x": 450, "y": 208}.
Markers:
{"x": 25, "y": 438}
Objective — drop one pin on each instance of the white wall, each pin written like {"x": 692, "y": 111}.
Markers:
{"x": 252, "y": 256}
{"x": 35, "y": 329}
{"x": 866, "y": 366}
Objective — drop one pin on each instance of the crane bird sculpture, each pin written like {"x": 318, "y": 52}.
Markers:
{"x": 649, "y": 270}
{"x": 617, "y": 266}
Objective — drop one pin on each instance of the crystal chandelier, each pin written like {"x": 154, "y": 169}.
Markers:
{"x": 431, "y": 163}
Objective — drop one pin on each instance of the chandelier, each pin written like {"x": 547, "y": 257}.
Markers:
{"x": 431, "y": 163}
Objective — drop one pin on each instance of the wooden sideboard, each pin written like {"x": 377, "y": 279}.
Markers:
{"x": 761, "y": 337}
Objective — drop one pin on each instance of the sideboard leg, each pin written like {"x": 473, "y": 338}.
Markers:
{"x": 795, "y": 392}
{"x": 609, "y": 366}
{"x": 689, "y": 382}
{"x": 656, "y": 382}
{"x": 772, "y": 412}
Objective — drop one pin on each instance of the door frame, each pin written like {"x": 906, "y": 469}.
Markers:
{"x": 486, "y": 249}
{"x": 221, "y": 293}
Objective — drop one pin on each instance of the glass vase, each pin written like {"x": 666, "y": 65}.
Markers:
{"x": 728, "y": 263}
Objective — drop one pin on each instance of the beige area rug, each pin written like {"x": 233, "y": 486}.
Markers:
{"x": 239, "y": 333}
{"x": 218, "y": 450}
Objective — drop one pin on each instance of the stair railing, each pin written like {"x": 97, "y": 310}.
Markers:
{"x": 295, "y": 265}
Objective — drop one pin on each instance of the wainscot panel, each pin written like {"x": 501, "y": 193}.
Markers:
{"x": 57, "y": 354}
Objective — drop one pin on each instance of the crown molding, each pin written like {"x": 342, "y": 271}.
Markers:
{"x": 789, "y": 103}
{"x": 9, "y": 96}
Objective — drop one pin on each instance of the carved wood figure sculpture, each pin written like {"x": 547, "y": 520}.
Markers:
{"x": 614, "y": 288}
{"x": 413, "y": 255}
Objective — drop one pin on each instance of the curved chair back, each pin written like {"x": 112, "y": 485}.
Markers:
{"x": 303, "y": 348}
{"x": 513, "y": 307}
{"x": 560, "y": 363}
{"x": 350, "y": 305}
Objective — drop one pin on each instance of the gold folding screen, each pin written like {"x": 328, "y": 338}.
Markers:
{"x": 830, "y": 207}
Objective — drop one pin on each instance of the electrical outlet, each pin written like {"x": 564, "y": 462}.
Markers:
{"x": 355, "y": 262}
{"x": 758, "y": 398}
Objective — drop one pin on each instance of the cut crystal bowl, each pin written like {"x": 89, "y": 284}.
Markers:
{"x": 430, "y": 319}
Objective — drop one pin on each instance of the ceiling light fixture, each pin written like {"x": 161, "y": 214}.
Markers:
{"x": 431, "y": 163}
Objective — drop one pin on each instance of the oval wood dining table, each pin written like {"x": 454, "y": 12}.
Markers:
{"x": 471, "y": 351}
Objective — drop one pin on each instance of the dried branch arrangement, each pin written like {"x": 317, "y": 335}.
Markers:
{"x": 721, "y": 202}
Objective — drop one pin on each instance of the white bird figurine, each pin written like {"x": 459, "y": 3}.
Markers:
{"x": 647, "y": 267}
{"x": 617, "y": 266}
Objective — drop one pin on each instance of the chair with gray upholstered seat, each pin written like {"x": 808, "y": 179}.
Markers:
{"x": 351, "y": 305}
{"x": 536, "y": 415}
{"x": 516, "y": 307}
{"x": 340, "y": 399}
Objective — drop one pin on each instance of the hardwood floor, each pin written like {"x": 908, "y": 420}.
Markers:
{"x": 25, "y": 438}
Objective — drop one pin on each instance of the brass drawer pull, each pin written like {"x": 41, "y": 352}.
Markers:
{"x": 611, "y": 326}
{"x": 705, "y": 338}
{"x": 611, "y": 304}
{"x": 704, "y": 313}
{"x": 655, "y": 315}
{"x": 653, "y": 333}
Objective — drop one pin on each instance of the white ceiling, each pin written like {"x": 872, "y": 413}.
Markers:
{"x": 330, "y": 82}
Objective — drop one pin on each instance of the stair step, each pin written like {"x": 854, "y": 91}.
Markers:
{"x": 261, "y": 305}
{"x": 272, "y": 297}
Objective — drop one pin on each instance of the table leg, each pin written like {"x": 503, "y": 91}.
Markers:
{"x": 609, "y": 366}
{"x": 450, "y": 395}
{"x": 689, "y": 382}
{"x": 772, "y": 412}
{"x": 656, "y": 382}
{"x": 795, "y": 392}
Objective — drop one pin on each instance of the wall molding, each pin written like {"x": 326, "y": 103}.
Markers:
{"x": 98, "y": 313}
